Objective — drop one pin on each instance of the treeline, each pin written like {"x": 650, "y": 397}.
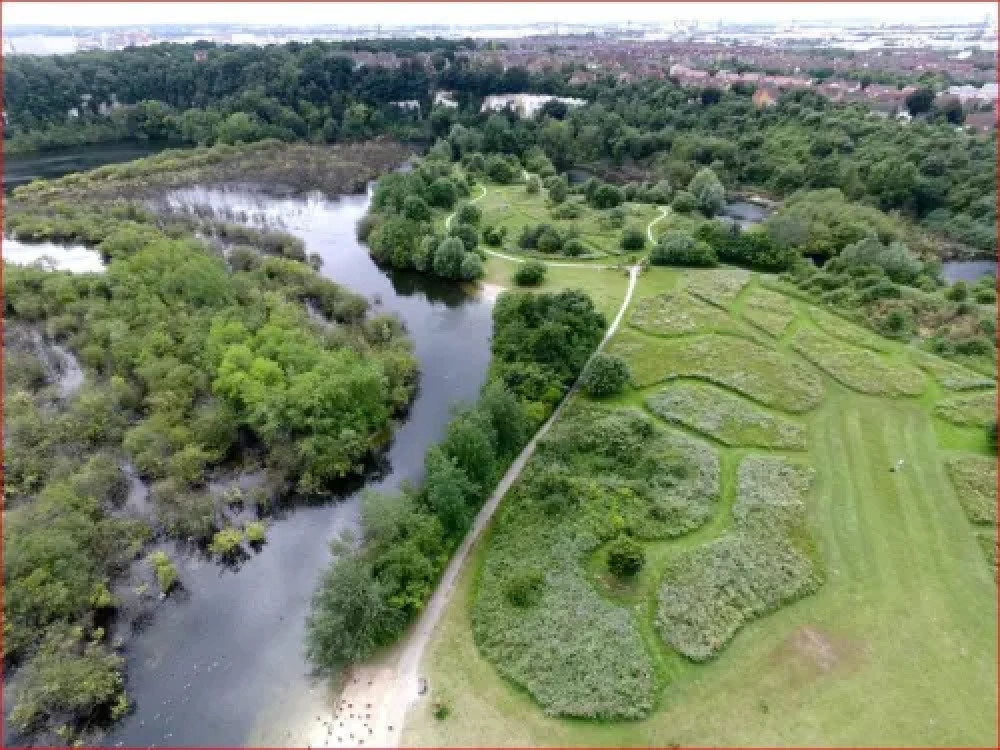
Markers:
{"x": 926, "y": 170}
{"x": 656, "y": 134}
{"x": 370, "y": 594}
{"x": 203, "y": 94}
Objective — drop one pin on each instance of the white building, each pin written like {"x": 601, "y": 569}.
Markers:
{"x": 407, "y": 104}
{"x": 445, "y": 99}
{"x": 526, "y": 105}
{"x": 964, "y": 93}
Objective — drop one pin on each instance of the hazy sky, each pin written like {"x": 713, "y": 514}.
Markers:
{"x": 467, "y": 13}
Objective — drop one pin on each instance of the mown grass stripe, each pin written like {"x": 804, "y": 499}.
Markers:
{"x": 931, "y": 495}
{"x": 859, "y": 466}
{"x": 839, "y": 501}
{"x": 903, "y": 509}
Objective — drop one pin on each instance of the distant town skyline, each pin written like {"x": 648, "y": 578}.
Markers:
{"x": 392, "y": 14}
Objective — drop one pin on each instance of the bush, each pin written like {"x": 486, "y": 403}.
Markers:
{"x": 684, "y": 202}
{"x": 448, "y": 258}
{"x": 524, "y": 588}
{"x": 468, "y": 213}
{"x": 897, "y": 323}
{"x": 625, "y": 557}
{"x": 958, "y": 292}
{"x": 633, "y": 240}
{"x": 423, "y": 256}
{"x": 441, "y": 710}
{"x": 974, "y": 346}
{"x": 986, "y": 296}
{"x": 606, "y": 375}
{"x": 472, "y": 267}
{"x": 226, "y": 543}
{"x": 572, "y": 210}
{"x": 677, "y": 248}
{"x": 256, "y": 532}
{"x": 606, "y": 196}
{"x": 574, "y": 248}
{"x": 558, "y": 190}
{"x": 708, "y": 193}
{"x": 895, "y": 260}
{"x": 533, "y": 186}
{"x": 166, "y": 573}
{"x": 350, "y": 616}
{"x": 466, "y": 233}
{"x": 494, "y": 236}
{"x": 549, "y": 241}
{"x": 416, "y": 208}
{"x": 616, "y": 218}
{"x": 500, "y": 170}
{"x": 531, "y": 273}
{"x": 442, "y": 193}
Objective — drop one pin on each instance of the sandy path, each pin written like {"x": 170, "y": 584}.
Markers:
{"x": 664, "y": 210}
{"x": 375, "y": 699}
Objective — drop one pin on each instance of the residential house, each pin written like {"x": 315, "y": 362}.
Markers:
{"x": 981, "y": 121}
{"x": 445, "y": 99}
{"x": 765, "y": 96}
{"x": 582, "y": 77}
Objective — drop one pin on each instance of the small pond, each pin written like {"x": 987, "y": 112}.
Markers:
{"x": 967, "y": 270}
{"x": 746, "y": 214}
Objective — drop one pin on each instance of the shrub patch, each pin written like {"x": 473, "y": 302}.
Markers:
{"x": 969, "y": 409}
{"x": 725, "y": 417}
{"x": 765, "y": 562}
{"x": 751, "y": 369}
{"x": 975, "y": 481}
{"x": 861, "y": 370}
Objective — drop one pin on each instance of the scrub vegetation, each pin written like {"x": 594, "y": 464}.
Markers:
{"x": 194, "y": 363}
{"x": 829, "y": 505}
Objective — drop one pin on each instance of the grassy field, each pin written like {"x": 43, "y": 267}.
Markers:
{"x": 897, "y": 646}
{"x": 605, "y": 286}
{"x": 512, "y": 208}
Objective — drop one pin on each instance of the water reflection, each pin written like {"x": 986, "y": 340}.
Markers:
{"x": 224, "y": 666}
{"x": 52, "y": 257}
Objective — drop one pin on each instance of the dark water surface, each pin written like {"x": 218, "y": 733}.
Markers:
{"x": 745, "y": 213}
{"x": 967, "y": 270}
{"x": 18, "y": 170}
{"x": 221, "y": 663}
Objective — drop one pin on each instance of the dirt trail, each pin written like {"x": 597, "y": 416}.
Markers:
{"x": 373, "y": 704}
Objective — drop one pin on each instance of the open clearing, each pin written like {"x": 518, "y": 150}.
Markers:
{"x": 512, "y": 208}
{"x": 897, "y": 646}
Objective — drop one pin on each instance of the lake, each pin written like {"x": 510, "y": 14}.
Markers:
{"x": 223, "y": 664}
{"x": 19, "y": 170}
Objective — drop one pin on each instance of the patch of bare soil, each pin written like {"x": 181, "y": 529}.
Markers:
{"x": 810, "y": 653}
{"x": 490, "y": 292}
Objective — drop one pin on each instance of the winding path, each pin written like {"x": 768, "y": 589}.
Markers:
{"x": 664, "y": 212}
{"x": 387, "y": 691}
{"x": 409, "y": 661}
